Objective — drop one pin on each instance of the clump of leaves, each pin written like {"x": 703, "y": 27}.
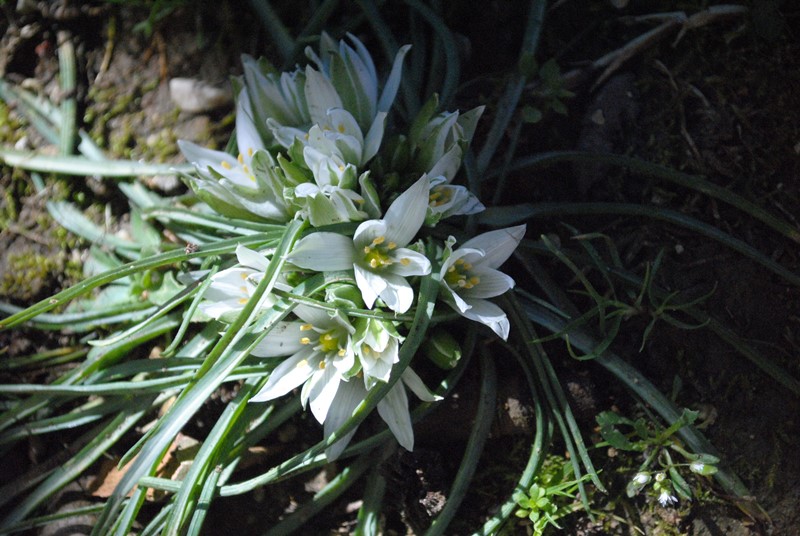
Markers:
{"x": 659, "y": 446}
{"x": 552, "y": 496}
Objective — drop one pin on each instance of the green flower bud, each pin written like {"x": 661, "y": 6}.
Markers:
{"x": 443, "y": 349}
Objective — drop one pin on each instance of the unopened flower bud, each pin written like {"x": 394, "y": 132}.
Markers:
{"x": 443, "y": 349}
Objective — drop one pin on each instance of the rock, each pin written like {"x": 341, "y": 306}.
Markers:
{"x": 196, "y": 96}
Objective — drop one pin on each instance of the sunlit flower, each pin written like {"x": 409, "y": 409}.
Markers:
{"x": 377, "y": 252}
{"x": 231, "y": 289}
{"x": 469, "y": 276}
{"x": 315, "y": 343}
{"x": 242, "y": 186}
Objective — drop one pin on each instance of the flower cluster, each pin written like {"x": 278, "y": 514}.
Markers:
{"x": 313, "y": 145}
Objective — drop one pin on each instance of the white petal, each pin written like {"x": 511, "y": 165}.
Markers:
{"x": 348, "y": 397}
{"x": 408, "y": 262}
{"x": 398, "y": 295}
{"x": 323, "y": 252}
{"x": 368, "y": 231}
{"x": 454, "y": 300}
{"x": 378, "y": 366}
{"x": 247, "y": 137}
{"x": 498, "y": 245}
{"x": 406, "y": 215}
{"x": 393, "y": 82}
{"x": 323, "y": 392}
{"x": 448, "y": 164}
{"x": 393, "y": 409}
{"x": 488, "y": 314}
{"x": 251, "y": 259}
{"x": 492, "y": 283}
{"x": 320, "y": 95}
{"x": 291, "y": 373}
{"x": 374, "y": 137}
{"x": 318, "y": 318}
{"x": 283, "y": 339}
{"x": 418, "y": 387}
{"x": 370, "y": 285}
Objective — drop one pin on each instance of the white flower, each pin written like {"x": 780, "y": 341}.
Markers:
{"x": 321, "y": 358}
{"x": 377, "y": 251}
{"x": 442, "y": 139}
{"x": 377, "y": 344}
{"x": 232, "y": 185}
{"x": 353, "y": 76}
{"x": 641, "y": 479}
{"x": 272, "y": 95}
{"x": 321, "y": 355}
{"x": 469, "y": 276}
{"x": 447, "y": 200}
{"x": 666, "y": 499}
{"x": 231, "y": 289}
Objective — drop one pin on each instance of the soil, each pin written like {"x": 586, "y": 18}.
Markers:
{"x": 721, "y": 102}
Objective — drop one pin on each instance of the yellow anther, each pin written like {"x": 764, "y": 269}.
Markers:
{"x": 306, "y": 327}
{"x": 434, "y": 196}
{"x": 373, "y": 263}
{"x": 405, "y": 261}
{"x": 305, "y": 340}
{"x": 242, "y": 301}
{"x": 243, "y": 289}
{"x": 378, "y": 241}
{"x": 366, "y": 350}
{"x": 322, "y": 365}
{"x": 249, "y": 151}
{"x": 391, "y": 245}
{"x": 474, "y": 280}
{"x": 341, "y": 167}
{"x": 467, "y": 266}
{"x": 302, "y": 364}
{"x": 451, "y": 269}
{"x": 367, "y": 249}
{"x": 340, "y": 128}
{"x": 244, "y": 275}
{"x": 240, "y": 158}
{"x": 459, "y": 261}
{"x": 245, "y": 168}
{"x": 225, "y": 164}
{"x": 341, "y": 352}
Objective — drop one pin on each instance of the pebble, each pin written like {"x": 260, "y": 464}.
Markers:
{"x": 195, "y": 96}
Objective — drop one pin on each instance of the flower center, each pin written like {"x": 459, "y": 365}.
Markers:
{"x": 440, "y": 196}
{"x": 460, "y": 275}
{"x": 376, "y": 255}
{"x": 245, "y": 168}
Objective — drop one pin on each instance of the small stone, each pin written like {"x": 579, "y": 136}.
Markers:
{"x": 196, "y": 96}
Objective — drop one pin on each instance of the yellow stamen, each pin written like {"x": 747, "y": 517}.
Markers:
{"x": 302, "y": 364}
{"x": 240, "y": 158}
{"x": 306, "y": 327}
{"x": 391, "y": 245}
{"x": 249, "y": 151}
{"x": 405, "y": 261}
{"x": 225, "y": 164}
{"x": 378, "y": 241}
{"x": 305, "y": 340}
{"x": 341, "y": 352}
{"x": 340, "y": 128}
{"x": 322, "y": 365}
{"x": 242, "y": 301}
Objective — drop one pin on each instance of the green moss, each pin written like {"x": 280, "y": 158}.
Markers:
{"x": 28, "y": 274}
